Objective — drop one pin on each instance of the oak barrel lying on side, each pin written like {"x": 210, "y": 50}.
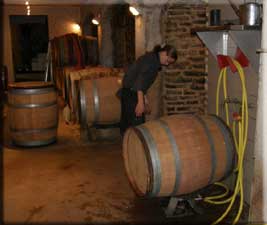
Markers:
{"x": 33, "y": 113}
{"x": 177, "y": 154}
{"x": 98, "y": 101}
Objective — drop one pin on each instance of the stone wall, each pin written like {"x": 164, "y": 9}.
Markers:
{"x": 185, "y": 82}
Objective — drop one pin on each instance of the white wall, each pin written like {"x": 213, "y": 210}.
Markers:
{"x": 147, "y": 35}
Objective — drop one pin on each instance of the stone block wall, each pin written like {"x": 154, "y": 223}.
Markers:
{"x": 185, "y": 82}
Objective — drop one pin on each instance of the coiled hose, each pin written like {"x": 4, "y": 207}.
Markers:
{"x": 240, "y": 144}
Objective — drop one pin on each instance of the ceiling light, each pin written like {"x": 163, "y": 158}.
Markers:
{"x": 26, "y": 3}
{"x": 134, "y": 11}
{"x": 28, "y": 7}
{"x": 95, "y": 21}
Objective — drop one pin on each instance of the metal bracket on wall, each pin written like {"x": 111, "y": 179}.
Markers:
{"x": 261, "y": 50}
{"x": 180, "y": 207}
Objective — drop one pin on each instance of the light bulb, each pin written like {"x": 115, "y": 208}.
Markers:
{"x": 95, "y": 21}
{"x": 76, "y": 28}
{"x": 134, "y": 11}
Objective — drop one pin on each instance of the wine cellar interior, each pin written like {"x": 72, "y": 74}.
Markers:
{"x": 199, "y": 157}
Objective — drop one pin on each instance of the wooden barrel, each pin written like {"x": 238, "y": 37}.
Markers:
{"x": 98, "y": 101}
{"x": 33, "y": 113}
{"x": 177, "y": 154}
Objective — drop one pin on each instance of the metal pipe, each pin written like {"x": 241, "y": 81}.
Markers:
{"x": 260, "y": 176}
{"x": 263, "y": 76}
{"x": 235, "y": 8}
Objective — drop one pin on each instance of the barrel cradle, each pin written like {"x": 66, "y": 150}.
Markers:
{"x": 33, "y": 113}
{"x": 177, "y": 154}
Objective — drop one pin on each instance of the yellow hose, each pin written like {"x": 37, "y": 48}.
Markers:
{"x": 225, "y": 97}
{"x": 240, "y": 144}
{"x": 211, "y": 198}
{"x": 218, "y": 90}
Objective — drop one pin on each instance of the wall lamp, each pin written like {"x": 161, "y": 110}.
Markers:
{"x": 76, "y": 28}
{"x": 95, "y": 21}
{"x": 134, "y": 10}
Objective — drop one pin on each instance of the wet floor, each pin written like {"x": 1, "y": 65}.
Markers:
{"x": 72, "y": 181}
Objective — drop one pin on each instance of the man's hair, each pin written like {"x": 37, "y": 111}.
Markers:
{"x": 171, "y": 51}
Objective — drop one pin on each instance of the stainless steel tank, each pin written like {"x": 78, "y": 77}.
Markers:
{"x": 250, "y": 14}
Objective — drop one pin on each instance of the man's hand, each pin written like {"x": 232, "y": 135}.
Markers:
{"x": 139, "y": 109}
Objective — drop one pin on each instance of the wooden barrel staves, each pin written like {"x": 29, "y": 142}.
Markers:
{"x": 33, "y": 113}
{"x": 177, "y": 154}
{"x": 98, "y": 101}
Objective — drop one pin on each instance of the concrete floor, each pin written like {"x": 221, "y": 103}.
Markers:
{"x": 76, "y": 182}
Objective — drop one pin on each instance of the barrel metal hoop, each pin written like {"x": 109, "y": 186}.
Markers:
{"x": 73, "y": 96}
{"x": 36, "y": 91}
{"x": 155, "y": 161}
{"x": 67, "y": 88}
{"x": 176, "y": 155}
{"x": 96, "y": 102}
{"x": 35, "y": 143}
{"x": 149, "y": 163}
{"x": 24, "y": 131}
{"x": 83, "y": 116}
{"x": 33, "y": 105}
{"x": 212, "y": 148}
{"x": 133, "y": 183}
{"x": 229, "y": 142}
